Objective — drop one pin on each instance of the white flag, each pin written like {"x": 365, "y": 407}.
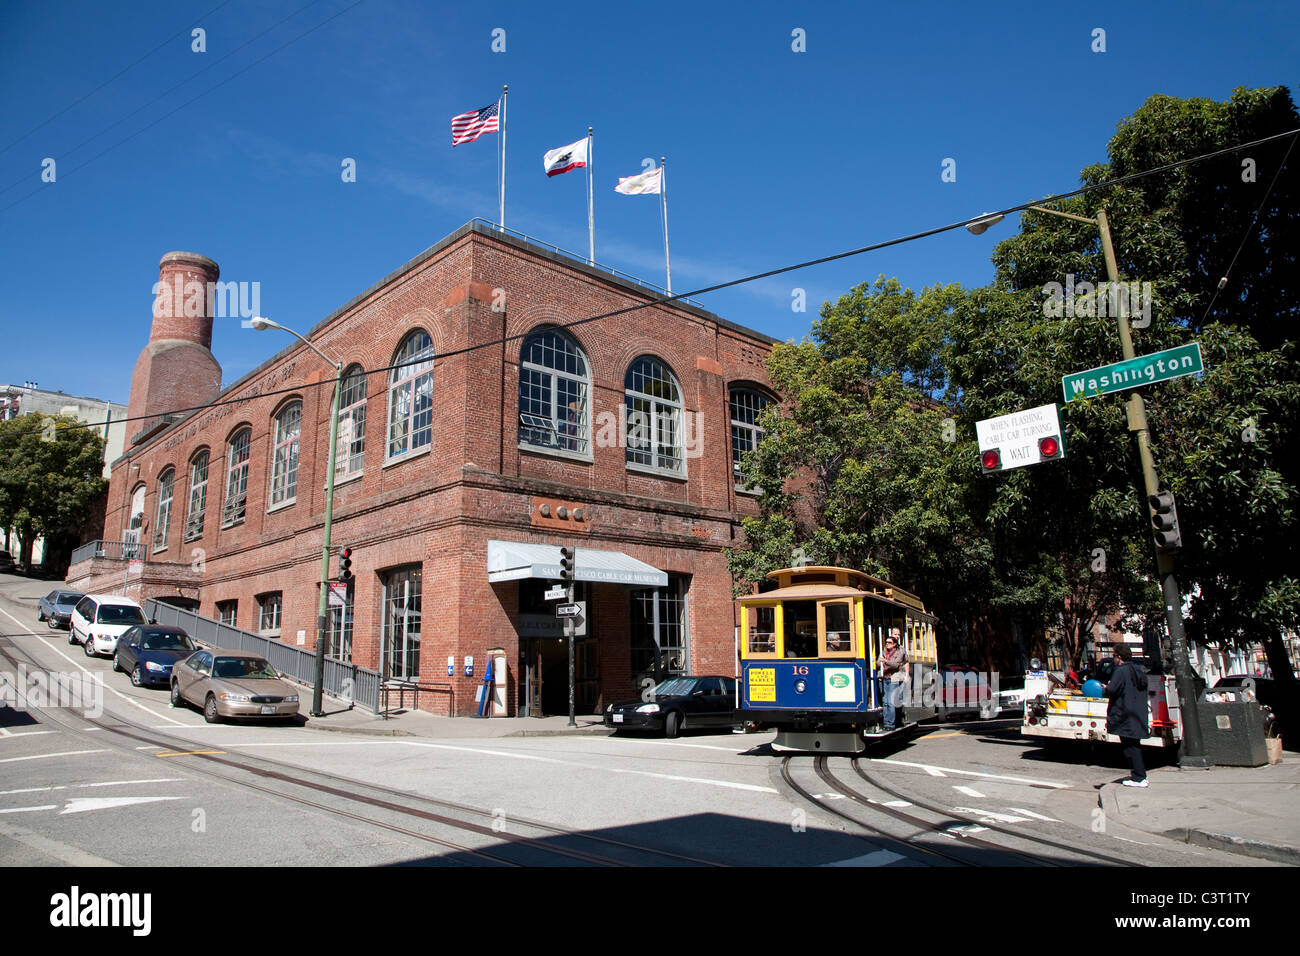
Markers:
{"x": 573, "y": 156}
{"x": 651, "y": 181}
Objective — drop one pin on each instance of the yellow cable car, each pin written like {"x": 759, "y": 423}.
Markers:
{"x": 810, "y": 653}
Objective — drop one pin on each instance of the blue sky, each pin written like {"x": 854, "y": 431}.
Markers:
{"x": 774, "y": 156}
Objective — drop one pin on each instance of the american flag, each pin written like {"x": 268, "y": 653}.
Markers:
{"x": 468, "y": 127}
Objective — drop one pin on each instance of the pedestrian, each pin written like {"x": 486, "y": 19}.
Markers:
{"x": 1127, "y": 713}
{"x": 893, "y": 676}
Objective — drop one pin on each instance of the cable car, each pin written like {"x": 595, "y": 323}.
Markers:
{"x": 809, "y": 654}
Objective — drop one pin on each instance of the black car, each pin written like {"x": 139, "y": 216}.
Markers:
{"x": 56, "y": 607}
{"x": 148, "y": 651}
{"x": 676, "y": 704}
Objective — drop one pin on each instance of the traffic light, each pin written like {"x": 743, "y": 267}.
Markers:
{"x": 1164, "y": 521}
{"x": 345, "y": 564}
{"x": 1049, "y": 447}
{"x": 991, "y": 460}
{"x": 566, "y": 565}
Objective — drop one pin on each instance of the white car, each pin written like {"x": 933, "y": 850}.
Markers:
{"x": 99, "y": 620}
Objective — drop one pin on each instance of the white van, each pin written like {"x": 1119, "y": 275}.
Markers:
{"x": 99, "y": 620}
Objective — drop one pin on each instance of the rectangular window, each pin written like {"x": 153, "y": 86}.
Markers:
{"x": 761, "y": 628}
{"x": 401, "y": 623}
{"x": 340, "y": 627}
{"x": 268, "y": 613}
{"x": 837, "y": 630}
{"x": 660, "y": 630}
{"x": 227, "y": 612}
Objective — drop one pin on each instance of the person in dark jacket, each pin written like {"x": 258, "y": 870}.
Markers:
{"x": 1126, "y": 716}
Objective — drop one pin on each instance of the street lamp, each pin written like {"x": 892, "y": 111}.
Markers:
{"x": 1194, "y": 745}
{"x": 261, "y": 324}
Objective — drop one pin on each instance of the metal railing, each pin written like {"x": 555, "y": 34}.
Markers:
{"x": 658, "y": 291}
{"x": 348, "y": 682}
{"x": 109, "y": 550}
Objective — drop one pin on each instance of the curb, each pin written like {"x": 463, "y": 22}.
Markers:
{"x": 561, "y": 733}
{"x": 362, "y": 731}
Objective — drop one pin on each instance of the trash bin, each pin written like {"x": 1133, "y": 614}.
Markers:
{"x": 1233, "y": 732}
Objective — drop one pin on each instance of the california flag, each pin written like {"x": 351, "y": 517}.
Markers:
{"x": 573, "y": 156}
{"x": 651, "y": 181}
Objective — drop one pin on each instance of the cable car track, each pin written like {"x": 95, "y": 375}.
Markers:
{"x": 927, "y": 827}
{"x": 347, "y": 789}
{"x": 1018, "y": 834}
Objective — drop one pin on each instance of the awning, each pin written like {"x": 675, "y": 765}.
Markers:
{"x": 515, "y": 560}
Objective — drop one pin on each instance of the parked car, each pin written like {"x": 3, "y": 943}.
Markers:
{"x": 676, "y": 704}
{"x": 229, "y": 683}
{"x": 1011, "y": 695}
{"x": 148, "y": 653}
{"x": 964, "y": 690}
{"x": 99, "y": 620}
{"x": 57, "y": 606}
{"x": 7, "y": 562}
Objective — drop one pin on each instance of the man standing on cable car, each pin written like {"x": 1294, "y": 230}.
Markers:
{"x": 893, "y": 676}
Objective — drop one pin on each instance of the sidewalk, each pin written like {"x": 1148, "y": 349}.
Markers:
{"x": 417, "y": 723}
{"x": 1254, "y": 811}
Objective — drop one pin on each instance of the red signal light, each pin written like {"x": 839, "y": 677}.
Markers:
{"x": 991, "y": 460}
{"x": 1049, "y": 447}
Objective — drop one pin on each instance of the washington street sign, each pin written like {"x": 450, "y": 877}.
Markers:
{"x": 1143, "y": 370}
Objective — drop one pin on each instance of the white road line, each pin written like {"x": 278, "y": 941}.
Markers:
{"x": 1036, "y": 816}
{"x": 653, "y": 743}
{"x": 896, "y": 803}
{"x": 991, "y": 816}
{"x": 85, "y": 670}
{"x": 52, "y": 806}
{"x": 928, "y": 768}
{"x": 66, "y": 753}
{"x": 78, "y": 786}
{"x": 83, "y": 804}
{"x": 879, "y": 858}
{"x": 28, "y": 733}
{"x": 65, "y": 853}
{"x": 972, "y": 829}
{"x": 968, "y": 791}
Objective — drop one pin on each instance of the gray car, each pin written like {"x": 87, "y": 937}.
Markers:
{"x": 56, "y": 607}
{"x": 227, "y": 683}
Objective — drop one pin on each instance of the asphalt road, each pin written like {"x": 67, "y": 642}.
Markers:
{"x": 141, "y": 783}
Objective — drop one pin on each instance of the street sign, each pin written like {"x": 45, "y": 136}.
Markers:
{"x": 1143, "y": 370}
{"x": 1021, "y": 438}
{"x": 135, "y": 567}
{"x": 557, "y": 593}
{"x": 568, "y": 610}
{"x": 338, "y": 594}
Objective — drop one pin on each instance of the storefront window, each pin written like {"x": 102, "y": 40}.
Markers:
{"x": 660, "y": 630}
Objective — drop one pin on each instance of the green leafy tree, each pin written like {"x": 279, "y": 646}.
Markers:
{"x": 51, "y": 477}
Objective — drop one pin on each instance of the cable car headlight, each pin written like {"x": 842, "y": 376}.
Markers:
{"x": 800, "y": 686}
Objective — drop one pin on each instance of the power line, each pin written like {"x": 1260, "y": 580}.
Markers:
{"x": 912, "y": 237}
{"x": 125, "y": 69}
{"x": 188, "y": 102}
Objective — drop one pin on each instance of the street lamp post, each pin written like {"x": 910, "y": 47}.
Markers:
{"x": 1193, "y": 754}
{"x": 322, "y": 615}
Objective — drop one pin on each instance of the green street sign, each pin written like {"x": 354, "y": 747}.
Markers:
{"x": 1143, "y": 370}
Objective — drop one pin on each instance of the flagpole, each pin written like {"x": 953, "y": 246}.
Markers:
{"x": 505, "y": 89}
{"x": 591, "y": 200}
{"x": 663, "y": 192}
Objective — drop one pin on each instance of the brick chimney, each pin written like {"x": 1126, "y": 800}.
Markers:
{"x": 177, "y": 368}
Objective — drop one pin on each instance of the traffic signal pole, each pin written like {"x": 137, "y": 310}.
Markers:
{"x": 1193, "y": 750}
{"x": 322, "y": 617}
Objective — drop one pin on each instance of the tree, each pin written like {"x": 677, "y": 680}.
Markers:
{"x": 51, "y": 474}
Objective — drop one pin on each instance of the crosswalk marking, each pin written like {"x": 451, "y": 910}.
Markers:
{"x": 968, "y": 791}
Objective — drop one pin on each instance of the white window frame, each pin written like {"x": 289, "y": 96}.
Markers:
{"x": 237, "y": 477}
{"x": 199, "y": 494}
{"x": 660, "y": 411}
{"x": 407, "y": 434}
{"x": 399, "y": 594}
{"x": 755, "y": 434}
{"x": 542, "y": 426}
{"x": 285, "y": 453}
{"x": 349, "y": 457}
{"x": 274, "y": 602}
{"x": 163, "y": 513}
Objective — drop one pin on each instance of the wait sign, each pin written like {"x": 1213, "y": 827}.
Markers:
{"x": 1019, "y": 439}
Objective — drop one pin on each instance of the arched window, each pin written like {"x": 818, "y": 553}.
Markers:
{"x": 163, "y": 519}
{"x": 232, "y": 512}
{"x": 654, "y": 416}
{"x": 554, "y": 389}
{"x": 131, "y": 537}
{"x": 410, "y": 395}
{"x": 746, "y": 405}
{"x": 351, "y": 450}
{"x": 284, "y": 471}
{"x": 198, "y": 496}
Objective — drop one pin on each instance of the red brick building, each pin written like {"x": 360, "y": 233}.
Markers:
{"x": 464, "y": 463}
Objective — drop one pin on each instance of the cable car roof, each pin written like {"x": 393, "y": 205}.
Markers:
{"x": 819, "y": 582}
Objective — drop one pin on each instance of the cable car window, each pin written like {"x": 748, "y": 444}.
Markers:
{"x": 800, "y": 628}
{"x": 762, "y": 630}
{"x": 838, "y": 629}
